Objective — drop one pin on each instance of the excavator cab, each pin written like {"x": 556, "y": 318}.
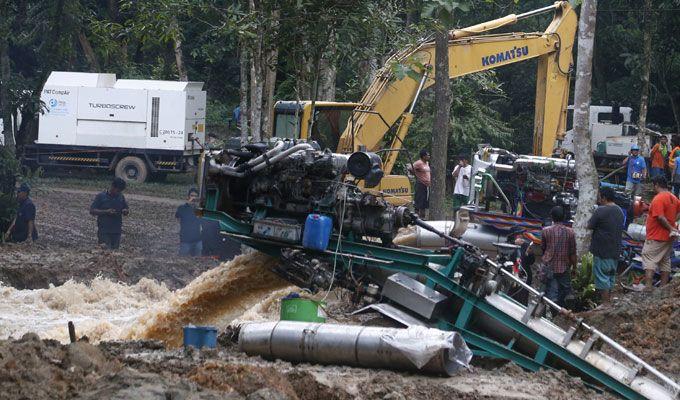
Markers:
{"x": 291, "y": 121}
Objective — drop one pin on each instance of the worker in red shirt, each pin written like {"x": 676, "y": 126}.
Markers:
{"x": 661, "y": 232}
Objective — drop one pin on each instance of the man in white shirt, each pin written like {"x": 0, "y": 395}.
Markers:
{"x": 462, "y": 175}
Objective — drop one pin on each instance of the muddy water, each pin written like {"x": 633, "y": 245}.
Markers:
{"x": 243, "y": 289}
{"x": 245, "y": 285}
{"x": 100, "y": 309}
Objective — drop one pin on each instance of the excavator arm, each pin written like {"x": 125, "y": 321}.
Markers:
{"x": 389, "y": 101}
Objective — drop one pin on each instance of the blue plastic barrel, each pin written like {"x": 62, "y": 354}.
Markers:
{"x": 200, "y": 336}
{"x": 317, "y": 232}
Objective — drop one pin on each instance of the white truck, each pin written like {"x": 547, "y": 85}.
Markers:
{"x": 612, "y": 132}
{"x": 134, "y": 128}
{"x": 612, "y": 135}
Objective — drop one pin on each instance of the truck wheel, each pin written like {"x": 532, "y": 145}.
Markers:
{"x": 132, "y": 169}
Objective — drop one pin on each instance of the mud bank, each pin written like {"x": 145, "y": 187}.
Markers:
{"x": 31, "y": 368}
{"x": 67, "y": 246}
{"x": 647, "y": 324}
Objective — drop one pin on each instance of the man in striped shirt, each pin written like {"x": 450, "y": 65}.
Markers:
{"x": 559, "y": 256}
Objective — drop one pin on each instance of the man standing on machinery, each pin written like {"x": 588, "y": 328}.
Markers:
{"x": 461, "y": 190}
{"x": 636, "y": 171}
{"x": 421, "y": 169}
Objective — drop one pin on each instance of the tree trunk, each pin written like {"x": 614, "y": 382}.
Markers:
{"x": 114, "y": 9}
{"x": 646, "y": 69}
{"x": 256, "y": 92}
{"x": 243, "y": 92}
{"x": 4, "y": 95}
{"x": 328, "y": 72}
{"x": 270, "y": 66}
{"x": 315, "y": 87}
{"x": 674, "y": 107}
{"x": 256, "y": 79}
{"x": 440, "y": 129}
{"x": 179, "y": 56}
{"x": 585, "y": 165}
{"x": 89, "y": 53}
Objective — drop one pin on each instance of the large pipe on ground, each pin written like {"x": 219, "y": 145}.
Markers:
{"x": 358, "y": 346}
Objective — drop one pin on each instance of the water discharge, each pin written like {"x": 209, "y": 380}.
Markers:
{"x": 216, "y": 298}
{"x": 243, "y": 289}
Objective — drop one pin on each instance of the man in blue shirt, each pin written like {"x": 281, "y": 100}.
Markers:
{"x": 109, "y": 207}
{"x": 636, "y": 171}
{"x": 190, "y": 243}
{"x": 23, "y": 226}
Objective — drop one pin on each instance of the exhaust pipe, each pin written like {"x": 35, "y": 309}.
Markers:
{"x": 272, "y": 156}
{"x": 415, "y": 349}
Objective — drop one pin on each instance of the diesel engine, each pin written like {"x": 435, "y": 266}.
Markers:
{"x": 276, "y": 189}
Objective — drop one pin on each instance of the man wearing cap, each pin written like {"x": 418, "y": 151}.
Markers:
{"x": 109, "y": 207}
{"x": 190, "y": 243}
{"x": 23, "y": 226}
{"x": 636, "y": 171}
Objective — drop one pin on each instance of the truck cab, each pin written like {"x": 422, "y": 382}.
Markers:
{"x": 612, "y": 131}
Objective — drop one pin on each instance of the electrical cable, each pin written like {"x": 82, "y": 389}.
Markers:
{"x": 337, "y": 246}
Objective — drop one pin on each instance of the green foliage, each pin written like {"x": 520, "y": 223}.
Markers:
{"x": 443, "y": 10}
{"x": 9, "y": 169}
{"x": 582, "y": 283}
{"x": 473, "y": 118}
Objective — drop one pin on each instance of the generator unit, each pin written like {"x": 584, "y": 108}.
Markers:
{"x": 131, "y": 127}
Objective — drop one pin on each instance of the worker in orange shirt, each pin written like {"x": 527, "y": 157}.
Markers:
{"x": 659, "y": 155}
{"x": 675, "y": 144}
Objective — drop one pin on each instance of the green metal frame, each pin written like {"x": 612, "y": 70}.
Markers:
{"x": 415, "y": 261}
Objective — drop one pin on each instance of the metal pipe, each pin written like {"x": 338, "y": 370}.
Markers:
{"x": 420, "y": 88}
{"x": 232, "y": 171}
{"x": 543, "y": 10}
{"x": 505, "y": 198}
{"x": 359, "y": 346}
{"x": 275, "y": 150}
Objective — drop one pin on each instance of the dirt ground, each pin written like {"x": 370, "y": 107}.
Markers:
{"x": 34, "y": 369}
{"x": 67, "y": 246}
{"x": 144, "y": 291}
{"x": 648, "y": 324}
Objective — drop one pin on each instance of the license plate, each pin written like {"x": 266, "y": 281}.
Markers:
{"x": 282, "y": 230}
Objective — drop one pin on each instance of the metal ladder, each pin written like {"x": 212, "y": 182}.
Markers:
{"x": 538, "y": 303}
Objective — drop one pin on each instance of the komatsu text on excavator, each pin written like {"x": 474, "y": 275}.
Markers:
{"x": 387, "y": 106}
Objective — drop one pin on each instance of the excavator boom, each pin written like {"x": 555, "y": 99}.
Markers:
{"x": 389, "y": 100}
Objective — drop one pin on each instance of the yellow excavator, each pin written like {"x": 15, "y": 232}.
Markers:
{"x": 388, "y": 103}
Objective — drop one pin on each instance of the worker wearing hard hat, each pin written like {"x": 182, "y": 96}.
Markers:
{"x": 636, "y": 171}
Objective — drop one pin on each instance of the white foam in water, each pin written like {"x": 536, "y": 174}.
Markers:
{"x": 100, "y": 309}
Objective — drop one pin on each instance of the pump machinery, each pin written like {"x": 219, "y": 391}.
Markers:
{"x": 305, "y": 206}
